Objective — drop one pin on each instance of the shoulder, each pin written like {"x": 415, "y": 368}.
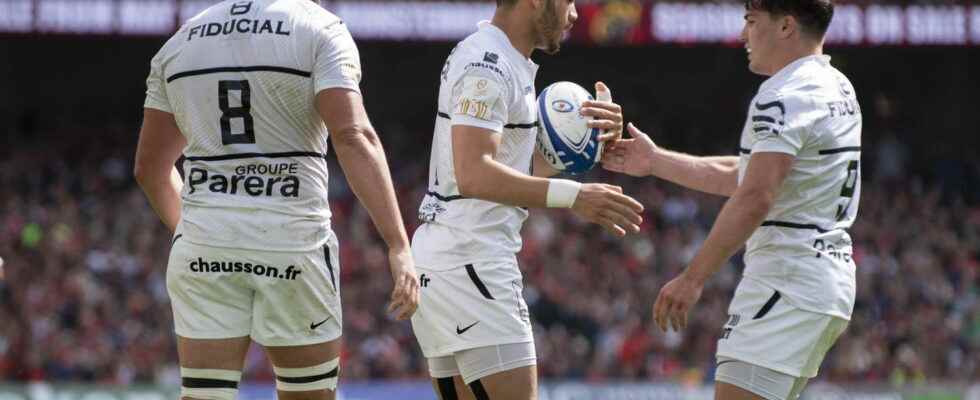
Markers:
{"x": 477, "y": 56}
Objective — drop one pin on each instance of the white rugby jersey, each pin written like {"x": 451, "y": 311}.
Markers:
{"x": 240, "y": 79}
{"x": 808, "y": 110}
{"x": 485, "y": 83}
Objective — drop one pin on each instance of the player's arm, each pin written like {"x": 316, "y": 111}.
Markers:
{"x": 337, "y": 76}
{"x": 159, "y": 147}
{"x": 480, "y": 176}
{"x": 640, "y": 156}
{"x": 742, "y": 214}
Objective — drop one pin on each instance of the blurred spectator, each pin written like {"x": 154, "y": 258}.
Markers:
{"x": 85, "y": 296}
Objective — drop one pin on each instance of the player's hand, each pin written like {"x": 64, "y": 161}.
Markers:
{"x": 606, "y": 205}
{"x": 608, "y": 116}
{"x": 674, "y": 301}
{"x": 631, "y": 156}
{"x": 405, "y": 295}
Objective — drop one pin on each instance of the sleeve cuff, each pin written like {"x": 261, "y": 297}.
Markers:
{"x": 158, "y": 106}
{"x": 325, "y": 84}
{"x": 773, "y": 146}
{"x": 462, "y": 119}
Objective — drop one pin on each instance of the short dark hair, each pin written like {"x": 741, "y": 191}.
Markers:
{"x": 814, "y": 16}
{"x": 506, "y": 2}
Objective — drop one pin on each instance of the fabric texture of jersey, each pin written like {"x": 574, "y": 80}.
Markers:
{"x": 808, "y": 110}
{"x": 276, "y": 298}
{"x": 488, "y": 84}
{"x": 240, "y": 79}
{"x": 471, "y": 306}
{"x": 766, "y": 330}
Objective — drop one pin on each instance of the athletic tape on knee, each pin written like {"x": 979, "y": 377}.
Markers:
{"x": 209, "y": 384}
{"x": 317, "y": 377}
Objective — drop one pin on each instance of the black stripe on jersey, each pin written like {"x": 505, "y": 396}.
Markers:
{"x": 840, "y": 150}
{"x": 237, "y": 156}
{"x": 251, "y": 68}
{"x": 444, "y": 198}
{"x": 479, "y": 283}
{"x": 743, "y": 150}
{"x": 528, "y": 125}
{"x": 763, "y": 118}
{"x": 206, "y": 383}
{"x": 179, "y": 235}
{"x": 307, "y": 379}
{"x": 766, "y": 106}
{"x": 794, "y": 225}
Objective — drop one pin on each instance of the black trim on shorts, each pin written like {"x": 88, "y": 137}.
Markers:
{"x": 479, "y": 283}
{"x": 179, "y": 235}
{"x": 207, "y": 383}
{"x": 307, "y": 379}
{"x": 250, "y": 68}
{"x": 528, "y": 125}
{"x": 284, "y": 154}
{"x": 326, "y": 256}
{"x": 478, "y": 391}
{"x": 447, "y": 389}
{"x": 768, "y": 306}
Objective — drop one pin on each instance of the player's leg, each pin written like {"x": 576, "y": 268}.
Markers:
{"x": 739, "y": 380}
{"x": 211, "y": 368}
{"x": 504, "y": 371}
{"x": 446, "y": 381}
{"x": 306, "y": 372}
{"x": 297, "y": 319}
{"x": 212, "y": 319}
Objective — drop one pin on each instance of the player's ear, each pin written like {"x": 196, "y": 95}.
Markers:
{"x": 787, "y": 26}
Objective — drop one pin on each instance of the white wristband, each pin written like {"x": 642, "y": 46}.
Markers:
{"x": 562, "y": 193}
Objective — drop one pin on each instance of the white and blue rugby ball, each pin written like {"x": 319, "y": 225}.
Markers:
{"x": 565, "y": 139}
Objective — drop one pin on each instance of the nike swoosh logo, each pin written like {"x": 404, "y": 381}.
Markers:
{"x": 317, "y": 325}
{"x": 461, "y": 331}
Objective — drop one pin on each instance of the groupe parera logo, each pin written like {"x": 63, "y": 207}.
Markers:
{"x": 562, "y": 106}
{"x": 200, "y": 265}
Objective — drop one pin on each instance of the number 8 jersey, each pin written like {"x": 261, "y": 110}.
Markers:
{"x": 810, "y": 111}
{"x": 240, "y": 79}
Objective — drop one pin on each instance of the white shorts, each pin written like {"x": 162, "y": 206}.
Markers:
{"x": 474, "y": 305}
{"x": 276, "y": 298}
{"x": 764, "y": 329}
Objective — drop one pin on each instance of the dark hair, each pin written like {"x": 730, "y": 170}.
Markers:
{"x": 506, "y": 2}
{"x": 814, "y": 16}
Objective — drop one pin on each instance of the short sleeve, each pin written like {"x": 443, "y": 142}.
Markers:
{"x": 156, "y": 86}
{"x": 479, "y": 98}
{"x": 337, "y": 62}
{"x": 782, "y": 123}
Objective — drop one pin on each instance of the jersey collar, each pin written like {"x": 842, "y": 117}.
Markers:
{"x": 789, "y": 69}
{"x": 501, "y": 38}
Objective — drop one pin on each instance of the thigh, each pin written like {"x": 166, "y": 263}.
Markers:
{"x": 209, "y": 300}
{"x": 736, "y": 380}
{"x": 224, "y": 354}
{"x": 297, "y": 298}
{"x": 315, "y": 366}
{"x": 517, "y": 384}
{"x": 471, "y": 306}
{"x": 763, "y": 329}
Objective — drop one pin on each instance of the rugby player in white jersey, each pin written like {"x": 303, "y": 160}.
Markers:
{"x": 472, "y": 323}
{"x": 793, "y": 191}
{"x": 248, "y": 91}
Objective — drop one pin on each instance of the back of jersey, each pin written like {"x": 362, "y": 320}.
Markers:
{"x": 240, "y": 80}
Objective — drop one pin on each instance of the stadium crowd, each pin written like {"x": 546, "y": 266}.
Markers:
{"x": 85, "y": 296}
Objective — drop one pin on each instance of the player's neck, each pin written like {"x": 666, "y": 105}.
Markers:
{"x": 518, "y": 30}
{"x": 796, "y": 53}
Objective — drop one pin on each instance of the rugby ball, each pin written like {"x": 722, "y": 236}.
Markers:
{"x": 565, "y": 140}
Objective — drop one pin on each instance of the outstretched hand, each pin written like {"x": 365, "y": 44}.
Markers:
{"x": 631, "y": 156}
